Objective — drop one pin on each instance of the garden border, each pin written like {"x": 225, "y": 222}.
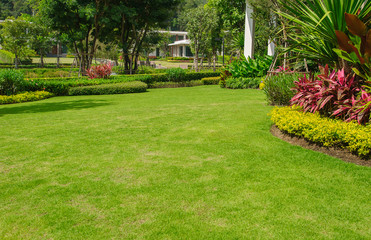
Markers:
{"x": 342, "y": 154}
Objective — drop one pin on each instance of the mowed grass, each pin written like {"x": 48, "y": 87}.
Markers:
{"x": 187, "y": 163}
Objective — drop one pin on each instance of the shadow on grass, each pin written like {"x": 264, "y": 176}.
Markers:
{"x": 53, "y": 106}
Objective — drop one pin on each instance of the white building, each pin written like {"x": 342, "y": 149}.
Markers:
{"x": 180, "y": 46}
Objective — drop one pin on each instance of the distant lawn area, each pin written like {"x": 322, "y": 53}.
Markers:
{"x": 53, "y": 60}
{"x": 185, "y": 163}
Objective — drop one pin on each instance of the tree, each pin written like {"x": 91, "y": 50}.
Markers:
{"x": 199, "y": 22}
{"x": 80, "y": 21}
{"x": 41, "y": 37}
{"x": 14, "y": 37}
{"x": 14, "y": 8}
{"x": 129, "y": 23}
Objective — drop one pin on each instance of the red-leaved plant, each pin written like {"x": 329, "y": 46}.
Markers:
{"x": 333, "y": 95}
{"x": 100, "y": 71}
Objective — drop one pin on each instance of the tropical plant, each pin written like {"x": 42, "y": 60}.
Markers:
{"x": 333, "y": 94}
{"x": 100, "y": 71}
{"x": 244, "y": 68}
{"x": 356, "y": 49}
{"x": 316, "y": 22}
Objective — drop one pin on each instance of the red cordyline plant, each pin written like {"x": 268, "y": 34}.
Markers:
{"x": 100, "y": 71}
{"x": 333, "y": 94}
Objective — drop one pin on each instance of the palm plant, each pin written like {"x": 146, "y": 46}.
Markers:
{"x": 315, "y": 22}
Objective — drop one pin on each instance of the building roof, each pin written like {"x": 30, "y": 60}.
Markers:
{"x": 181, "y": 42}
{"x": 174, "y": 32}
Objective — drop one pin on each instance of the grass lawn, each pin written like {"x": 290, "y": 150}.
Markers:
{"x": 186, "y": 163}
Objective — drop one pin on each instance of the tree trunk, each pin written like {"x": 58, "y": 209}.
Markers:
{"x": 58, "y": 54}
{"x": 41, "y": 59}
{"x": 214, "y": 62}
{"x": 196, "y": 59}
{"x": 16, "y": 61}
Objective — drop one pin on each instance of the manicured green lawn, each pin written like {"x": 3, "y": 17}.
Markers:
{"x": 187, "y": 163}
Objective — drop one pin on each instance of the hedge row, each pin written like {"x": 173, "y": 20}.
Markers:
{"x": 210, "y": 81}
{"x": 25, "y": 97}
{"x": 324, "y": 131}
{"x": 60, "y": 86}
{"x": 105, "y": 89}
{"x": 175, "y": 84}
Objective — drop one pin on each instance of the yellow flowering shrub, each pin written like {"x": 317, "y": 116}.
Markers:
{"x": 325, "y": 131}
{"x": 25, "y": 97}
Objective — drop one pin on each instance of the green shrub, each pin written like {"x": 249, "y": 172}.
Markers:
{"x": 242, "y": 83}
{"x": 60, "y": 86}
{"x": 277, "y": 88}
{"x": 244, "y": 68}
{"x": 25, "y": 97}
{"x": 6, "y": 57}
{"x": 325, "y": 131}
{"x": 210, "y": 81}
{"x": 175, "y": 74}
{"x": 105, "y": 89}
{"x": 11, "y": 81}
{"x": 175, "y": 84}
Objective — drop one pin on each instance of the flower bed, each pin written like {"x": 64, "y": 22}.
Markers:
{"x": 324, "y": 131}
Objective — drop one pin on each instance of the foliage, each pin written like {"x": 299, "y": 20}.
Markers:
{"x": 175, "y": 74}
{"x": 11, "y": 82}
{"x": 14, "y": 37}
{"x": 278, "y": 88}
{"x": 359, "y": 52}
{"x": 6, "y": 57}
{"x": 193, "y": 83}
{"x": 316, "y": 22}
{"x": 14, "y": 8}
{"x": 100, "y": 71}
{"x": 105, "y": 89}
{"x": 242, "y": 83}
{"x": 200, "y": 22}
{"x": 244, "y": 68}
{"x": 224, "y": 75}
{"x": 60, "y": 86}
{"x": 25, "y": 97}
{"x": 333, "y": 95}
{"x": 210, "y": 81}
{"x": 325, "y": 131}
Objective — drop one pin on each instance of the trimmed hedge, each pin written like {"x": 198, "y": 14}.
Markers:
{"x": 25, "y": 97}
{"x": 6, "y": 57}
{"x": 210, "y": 81}
{"x": 60, "y": 86}
{"x": 175, "y": 84}
{"x": 324, "y": 131}
{"x": 105, "y": 89}
{"x": 242, "y": 83}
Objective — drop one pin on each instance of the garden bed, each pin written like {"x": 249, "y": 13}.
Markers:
{"x": 340, "y": 153}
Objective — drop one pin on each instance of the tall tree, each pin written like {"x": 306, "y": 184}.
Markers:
{"x": 14, "y": 36}
{"x": 199, "y": 22}
{"x": 80, "y": 20}
{"x": 131, "y": 20}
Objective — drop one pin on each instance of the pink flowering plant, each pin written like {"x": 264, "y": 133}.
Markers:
{"x": 100, "y": 71}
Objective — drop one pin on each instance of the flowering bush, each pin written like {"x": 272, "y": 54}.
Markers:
{"x": 100, "y": 71}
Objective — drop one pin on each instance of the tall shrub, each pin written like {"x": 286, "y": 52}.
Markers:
{"x": 11, "y": 82}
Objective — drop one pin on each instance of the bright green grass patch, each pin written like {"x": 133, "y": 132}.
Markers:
{"x": 183, "y": 163}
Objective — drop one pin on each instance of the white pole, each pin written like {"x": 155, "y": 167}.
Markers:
{"x": 249, "y": 32}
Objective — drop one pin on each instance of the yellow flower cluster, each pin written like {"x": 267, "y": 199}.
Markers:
{"x": 325, "y": 131}
{"x": 25, "y": 97}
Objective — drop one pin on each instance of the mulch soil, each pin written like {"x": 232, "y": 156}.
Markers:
{"x": 340, "y": 153}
